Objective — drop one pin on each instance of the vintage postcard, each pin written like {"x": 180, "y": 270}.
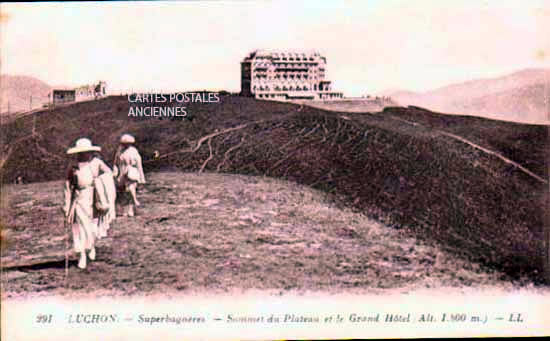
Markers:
{"x": 274, "y": 169}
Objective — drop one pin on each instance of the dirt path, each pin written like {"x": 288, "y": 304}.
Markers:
{"x": 219, "y": 233}
{"x": 500, "y": 156}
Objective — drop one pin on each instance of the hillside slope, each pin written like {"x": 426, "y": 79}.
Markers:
{"x": 16, "y": 92}
{"x": 528, "y": 103}
{"x": 518, "y": 97}
{"x": 399, "y": 166}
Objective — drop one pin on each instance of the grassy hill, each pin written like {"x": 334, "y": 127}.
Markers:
{"x": 399, "y": 166}
{"x": 226, "y": 233}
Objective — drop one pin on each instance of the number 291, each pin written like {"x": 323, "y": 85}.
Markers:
{"x": 42, "y": 318}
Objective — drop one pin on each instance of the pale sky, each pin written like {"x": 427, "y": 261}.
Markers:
{"x": 370, "y": 45}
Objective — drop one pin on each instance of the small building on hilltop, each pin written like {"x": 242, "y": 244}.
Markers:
{"x": 81, "y": 93}
{"x": 100, "y": 89}
{"x": 84, "y": 92}
{"x": 60, "y": 96}
{"x": 286, "y": 76}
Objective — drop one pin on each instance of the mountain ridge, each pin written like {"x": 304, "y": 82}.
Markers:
{"x": 483, "y": 97}
{"x": 22, "y": 93}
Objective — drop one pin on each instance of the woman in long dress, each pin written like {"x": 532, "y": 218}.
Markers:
{"x": 79, "y": 198}
{"x": 129, "y": 169}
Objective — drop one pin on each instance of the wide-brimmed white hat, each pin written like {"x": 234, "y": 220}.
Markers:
{"x": 83, "y": 145}
{"x": 127, "y": 138}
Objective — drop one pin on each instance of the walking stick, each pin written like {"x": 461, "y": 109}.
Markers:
{"x": 67, "y": 220}
{"x": 66, "y": 230}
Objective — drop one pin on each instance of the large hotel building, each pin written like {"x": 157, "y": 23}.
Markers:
{"x": 286, "y": 75}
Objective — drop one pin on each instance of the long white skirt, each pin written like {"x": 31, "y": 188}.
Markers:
{"x": 85, "y": 230}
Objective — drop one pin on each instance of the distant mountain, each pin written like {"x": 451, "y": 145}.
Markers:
{"x": 524, "y": 104}
{"x": 16, "y": 92}
{"x": 518, "y": 97}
